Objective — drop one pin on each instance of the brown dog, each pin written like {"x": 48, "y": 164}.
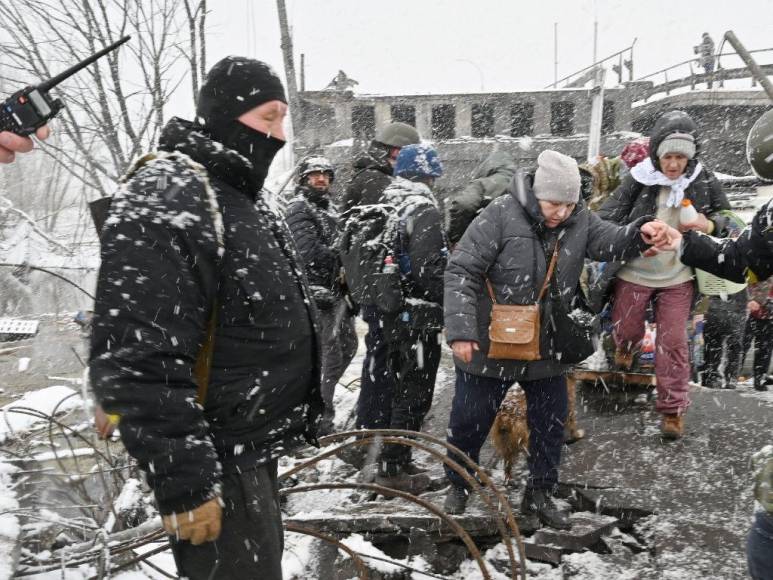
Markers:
{"x": 510, "y": 432}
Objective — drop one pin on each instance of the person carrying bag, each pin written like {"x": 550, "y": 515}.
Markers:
{"x": 509, "y": 333}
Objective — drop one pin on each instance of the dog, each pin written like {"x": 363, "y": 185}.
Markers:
{"x": 510, "y": 431}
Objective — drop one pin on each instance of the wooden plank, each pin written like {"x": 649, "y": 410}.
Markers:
{"x": 615, "y": 377}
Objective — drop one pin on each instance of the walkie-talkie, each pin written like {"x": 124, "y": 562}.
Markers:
{"x": 30, "y": 108}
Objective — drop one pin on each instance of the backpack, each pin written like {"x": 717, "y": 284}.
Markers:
{"x": 370, "y": 234}
{"x": 363, "y": 248}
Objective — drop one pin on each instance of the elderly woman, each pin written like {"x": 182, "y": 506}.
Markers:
{"x": 657, "y": 186}
{"x": 510, "y": 244}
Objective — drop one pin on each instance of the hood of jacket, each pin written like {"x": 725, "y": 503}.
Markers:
{"x": 404, "y": 191}
{"x": 674, "y": 122}
{"x": 224, "y": 164}
{"x": 376, "y": 157}
{"x": 497, "y": 162}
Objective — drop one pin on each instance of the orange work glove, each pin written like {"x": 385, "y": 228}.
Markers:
{"x": 197, "y": 526}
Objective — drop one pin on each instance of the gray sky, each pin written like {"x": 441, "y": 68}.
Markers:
{"x": 434, "y": 46}
{"x": 455, "y": 46}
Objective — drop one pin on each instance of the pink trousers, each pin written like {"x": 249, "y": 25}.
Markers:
{"x": 672, "y": 360}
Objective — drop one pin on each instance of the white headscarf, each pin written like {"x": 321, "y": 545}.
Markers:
{"x": 646, "y": 174}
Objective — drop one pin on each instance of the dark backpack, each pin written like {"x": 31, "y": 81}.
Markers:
{"x": 371, "y": 233}
{"x": 363, "y": 250}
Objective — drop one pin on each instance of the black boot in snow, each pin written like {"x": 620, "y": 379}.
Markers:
{"x": 456, "y": 500}
{"x": 412, "y": 469}
{"x": 538, "y": 502}
{"x": 394, "y": 477}
{"x": 711, "y": 380}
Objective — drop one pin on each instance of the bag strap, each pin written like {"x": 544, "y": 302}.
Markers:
{"x": 549, "y": 275}
{"x": 203, "y": 365}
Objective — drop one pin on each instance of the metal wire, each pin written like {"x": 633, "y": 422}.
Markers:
{"x": 364, "y": 437}
{"x": 362, "y": 570}
{"x": 386, "y": 491}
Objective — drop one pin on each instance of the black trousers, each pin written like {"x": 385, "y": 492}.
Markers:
{"x": 376, "y": 386}
{"x": 723, "y": 333}
{"x": 759, "y": 330}
{"x": 475, "y": 405}
{"x": 252, "y": 539}
{"x": 412, "y": 361}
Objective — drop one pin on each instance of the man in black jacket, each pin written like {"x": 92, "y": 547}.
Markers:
{"x": 372, "y": 175}
{"x": 373, "y": 169}
{"x": 313, "y": 221}
{"x": 204, "y": 335}
{"x": 751, "y": 254}
{"x": 415, "y": 237}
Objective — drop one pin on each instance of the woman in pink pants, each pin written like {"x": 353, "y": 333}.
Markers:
{"x": 656, "y": 187}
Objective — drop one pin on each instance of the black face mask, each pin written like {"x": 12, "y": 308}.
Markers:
{"x": 259, "y": 148}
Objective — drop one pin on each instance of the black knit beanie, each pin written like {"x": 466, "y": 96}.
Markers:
{"x": 234, "y": 86}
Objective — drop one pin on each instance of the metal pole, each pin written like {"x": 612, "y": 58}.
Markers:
{"x": 750, "y": 62}
{"x": 555, "y": 54}
{"x": 595, "y": 39}
{"x": 287, "y": 53}
{"x": 303, "y": 73}
{"x": 596, "y": 117}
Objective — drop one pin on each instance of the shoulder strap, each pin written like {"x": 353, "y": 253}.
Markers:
{"x": 203, "y": 365}
{"x": 549, "y": 275}
{"x": 491, "y": 290}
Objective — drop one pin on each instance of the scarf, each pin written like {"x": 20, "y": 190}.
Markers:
{"x": 646, "y": 174}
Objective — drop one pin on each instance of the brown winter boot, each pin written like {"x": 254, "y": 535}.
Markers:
{"x": 672, "y": 426}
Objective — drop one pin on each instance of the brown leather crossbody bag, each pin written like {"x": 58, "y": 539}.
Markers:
{"x": 514, "y": 330}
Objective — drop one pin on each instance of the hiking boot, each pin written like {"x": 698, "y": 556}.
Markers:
{"x": 325, "y": 428}
{"x": 456, "y": 500}
{"x": 761, "y": 387}
{"x": 401, "y": 481}
{"x": 624, "y": 359}
{"x": 528, "y": 522}
{"x": 412, "y": 469}
{"x": 539, "y": 503}
{"x": 354, "y": 455}
{"x": 672, "y": 426}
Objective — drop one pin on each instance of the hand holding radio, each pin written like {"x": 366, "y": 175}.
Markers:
{"x": 11, "y": 144}
{"x": 27, "y": 111}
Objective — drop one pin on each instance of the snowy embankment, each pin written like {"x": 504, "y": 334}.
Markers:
{"x": 14, "y": 423}
{"x": 9, "y": 523}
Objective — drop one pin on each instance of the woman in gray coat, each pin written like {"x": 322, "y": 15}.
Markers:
{"x": 510, "y": 244}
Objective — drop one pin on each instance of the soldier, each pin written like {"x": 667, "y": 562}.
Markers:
{"x": 204, "y": 338}
{"x": 313, "y": 220}
{"x": 373, "y": 174}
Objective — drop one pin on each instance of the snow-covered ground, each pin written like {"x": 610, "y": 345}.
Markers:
{"x": 300, "y": 550}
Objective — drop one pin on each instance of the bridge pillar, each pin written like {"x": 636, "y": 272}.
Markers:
{"x": 542, "y": 115}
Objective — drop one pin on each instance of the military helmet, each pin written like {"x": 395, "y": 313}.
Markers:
{"x": 759, "y": 146}
{"x": 398, "y": 135}
{"x": 316, "y": 163}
